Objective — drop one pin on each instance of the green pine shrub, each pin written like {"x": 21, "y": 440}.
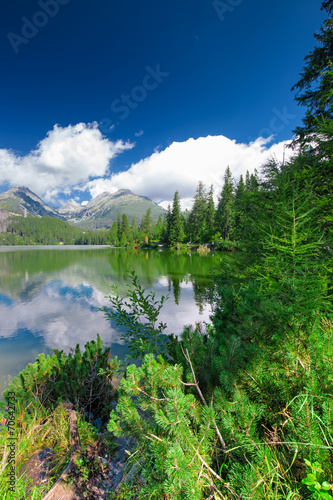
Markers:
{"x": 81, "y": 378}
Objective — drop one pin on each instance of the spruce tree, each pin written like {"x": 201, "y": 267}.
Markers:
{"x": 314, "y": 88}
{"x": 125, "y": 229}
{"x": 134, "y": 229}
{"x": 119, "y": 225}
{"x": 167, "y": 225}
{"x": 254, "y": 181}
{"x": 247, "y": 180}
{"x": 225, "y": 213}
{"x": 147, "y": 222}
{"x": 114, "y": 234}
{"x": 210, "y": 215}
{"x": 158, "y": 230}
{"x": 240, "y": 206}
{"x": 176, "y": 232}
{"x": 123, "y": 240}
{"x": 197, "y": 218}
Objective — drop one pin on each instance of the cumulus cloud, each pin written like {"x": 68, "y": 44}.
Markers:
{"x": 78, "y": 157}
{"x": 66, "y": 157}
{"x": 67, "y": 309}
{"x": 183, "y": 164}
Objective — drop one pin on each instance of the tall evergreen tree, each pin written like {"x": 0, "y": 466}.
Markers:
{"x": 119, "y": 225}
{"x": 134, "y": 229}
{"x": 147, "y": 222}
{"x": 125, "y": 229}
{"x": 240, "y": 206}
{"x": 225, "y": 212}
{"x": 114, "y": 234}
{"x": 167, "y": 225}
{"x": 158, "y": 229}
{"x": 254, "y": 181}
{"x": 210, "y": 214}
{"x": 197, "y": 218}
{"x": 176, "y": 231}
{"x": 314, "y": 88}
{"x": 247, "y": 180}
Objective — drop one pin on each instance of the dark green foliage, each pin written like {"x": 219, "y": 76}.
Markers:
{"x": 49, "y": 231}
{"x": 83, "y": 379}
{"x": 113, "y": 236}
{"x": 198, "y": 215}
{"x": 225, "y": 212}
{"x": 147, "y": 223}
{"x": 175, "y": 231}
{"x": 134, "y": 229}
{"x": 261, "y": 375}
{"x": 126, "y": 237}
{"x": 174, "y": 434}
{"x": 210, "y": 215}
{"x": 240, "y": 205}
{"x": 314, "y": 88}
{"x": 123, "y": 240}
{"x": 226, "y": 245}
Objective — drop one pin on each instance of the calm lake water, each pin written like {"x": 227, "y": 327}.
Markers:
{"x": 49, "y": 296}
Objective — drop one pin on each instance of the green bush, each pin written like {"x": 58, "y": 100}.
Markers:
{"x": 83, "y": 379}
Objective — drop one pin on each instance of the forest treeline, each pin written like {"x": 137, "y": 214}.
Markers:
{"x": 204, "y": 223}
{"x": 48, "y": 231}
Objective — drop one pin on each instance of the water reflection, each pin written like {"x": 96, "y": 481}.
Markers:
{"x": 50, "y": 298}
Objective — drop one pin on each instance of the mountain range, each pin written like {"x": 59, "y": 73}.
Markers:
{"x": 100, "y": 212}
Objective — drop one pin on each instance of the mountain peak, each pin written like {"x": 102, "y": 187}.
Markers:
{"x": 20, "y": 198}
{"x": 123, "y": 191}
{"x": 100, "y": 212}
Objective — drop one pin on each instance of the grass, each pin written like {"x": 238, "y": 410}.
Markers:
{"x": 38, "y": 431}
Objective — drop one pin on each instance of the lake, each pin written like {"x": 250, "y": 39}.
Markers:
{"x": 50, "y": 296}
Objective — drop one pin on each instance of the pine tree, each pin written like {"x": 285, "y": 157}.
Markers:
{"x": 247, "y": 180}
{"x": 240, "y": 206}
{"x": 134, "y": 229}
{"x": 158, "y": 230}
{"x": 125, "y": 230}
{"x": 314, "y": 88}
{"x": 123, "y": 240}
{"x": 254, "y": 181}
{"x": 225, "y": 213}
{"x": 119, "y": 225}
{"x": 147, "y": 222}
{"x": 210, "y": 215}
{"x": 114, "y": 234}
{"x": 291, "y": 269}
{"x": 167, "y": 225}
{"x": 176, "y": 232}
{"x": 174, "y": 437}
{"x": 197, "y": 217}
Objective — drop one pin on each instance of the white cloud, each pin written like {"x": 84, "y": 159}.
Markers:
{"x": 66, "y": 157}
{"x": 65, "y": 322}
{"x": 183, "y": 164}
{"x": 71, "y": 318}
{"x": 78, "y": 157}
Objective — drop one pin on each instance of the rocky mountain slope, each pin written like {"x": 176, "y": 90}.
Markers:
{"x": 100, "y": 212}
{"x": 103, "y": 210}
{"x": 17, "y": 199}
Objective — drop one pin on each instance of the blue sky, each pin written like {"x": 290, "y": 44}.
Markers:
{"x": 152, "y": 96}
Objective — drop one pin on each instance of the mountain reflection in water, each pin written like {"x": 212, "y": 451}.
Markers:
{"x": 50, "y": 298}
